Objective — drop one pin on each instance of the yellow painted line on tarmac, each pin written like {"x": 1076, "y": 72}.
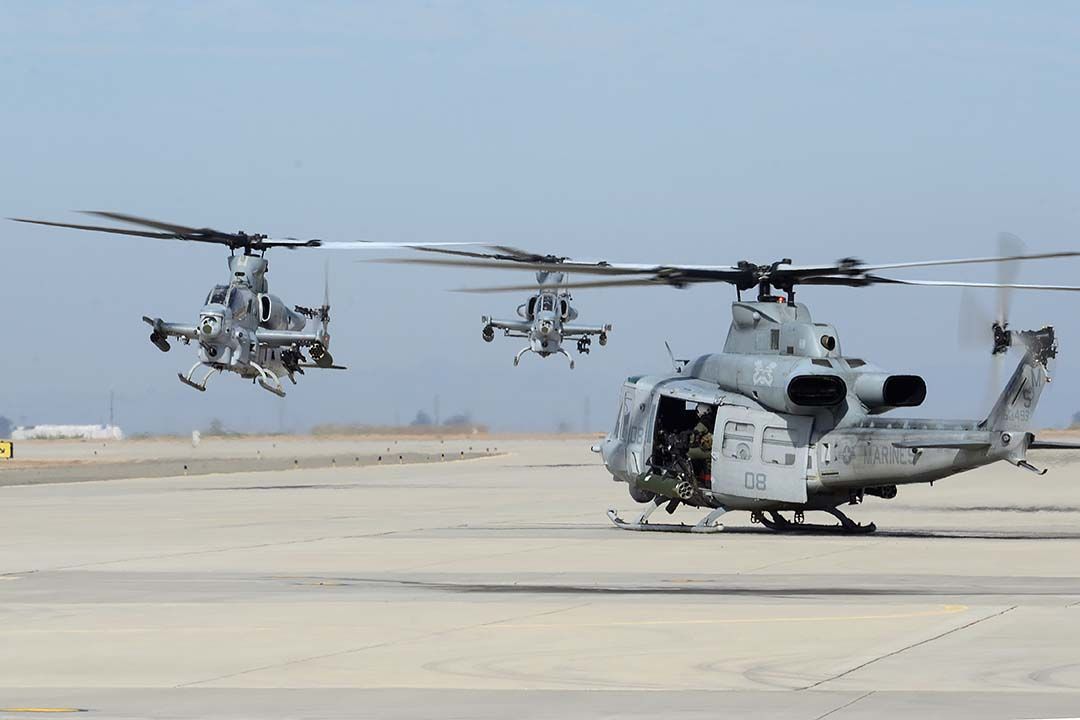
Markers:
{"x": 126, "y": 631}
{"x": 943, "y": 610}
{"x": 43, "y": 710}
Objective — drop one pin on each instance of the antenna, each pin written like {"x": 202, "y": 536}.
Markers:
{"x": 676, "y": 363}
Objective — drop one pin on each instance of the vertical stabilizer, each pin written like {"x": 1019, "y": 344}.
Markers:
{"x": 1016, "y": 404}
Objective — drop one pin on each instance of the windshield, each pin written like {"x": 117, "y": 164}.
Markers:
{"x": 217, "y": 295}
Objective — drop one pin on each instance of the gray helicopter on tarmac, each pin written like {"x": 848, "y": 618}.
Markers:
{"x": 547, "y": 317}
{"x": 782, "y": 421}
{"x": 242, "y": 327}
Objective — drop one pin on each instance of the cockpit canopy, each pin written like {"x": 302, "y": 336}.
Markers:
{"x": 239, "y": 301}
{"x": 218, "y": 295}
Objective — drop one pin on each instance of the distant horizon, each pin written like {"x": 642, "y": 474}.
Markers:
{"x": 699, "y": 132}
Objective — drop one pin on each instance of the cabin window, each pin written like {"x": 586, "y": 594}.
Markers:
{"x": 548, "y": 303}
{"x": 778, "y": 446}
{"x": 774, "y": 339}
{"x": 622, "y": 423}
{"x": 738, "y": 438}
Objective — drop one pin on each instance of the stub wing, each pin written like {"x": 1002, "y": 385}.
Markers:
{"x": 583, "y": 330}
{"x": 279, "y": 338}
{"x": 518, "y": 326}
{"x": 188, "y": 332}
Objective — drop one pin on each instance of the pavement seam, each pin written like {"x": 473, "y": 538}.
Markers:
{"x": 488, "y": 556}
{"x": 6, "y": 482}
{"x": 808, "y": 557}
{"x": 845, "y": 705}
{"x": 211, "y": 551}
{"x": 387, "y": 643}
{"x": 908, "y": 647}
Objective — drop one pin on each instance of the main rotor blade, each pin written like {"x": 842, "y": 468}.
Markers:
{"x": 170, "y": 231}
{"x": 969, "y": 261}
{"x": 513, "y": 265}
{"x": 174, "y": 232}
{"x": 378, "y": 245}
{"x": 626, "y": 282}
{"x": 660, "y": 274}
{"x": 207, "y": 234}
{"x": 505, "y": 252}
{"x": 679, "y": 281}
{"x": 874, "y": 279}
{"x": 99, "y": 228}
{"x": 146, "y": 222}
{"x": 845, "y": 272}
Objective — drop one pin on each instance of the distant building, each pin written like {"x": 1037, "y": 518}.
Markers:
{"x": 63, "y": 432}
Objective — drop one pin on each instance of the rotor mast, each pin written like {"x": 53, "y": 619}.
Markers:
{"x": 766, "y": 278}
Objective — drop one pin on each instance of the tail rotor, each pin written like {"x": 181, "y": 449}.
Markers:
{"x": 981, "y": 327}
{"x": 320, "y": 349}
{"x": 320, "y": 352}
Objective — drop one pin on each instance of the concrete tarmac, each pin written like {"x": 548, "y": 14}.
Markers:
{"x": 496, "y": 587}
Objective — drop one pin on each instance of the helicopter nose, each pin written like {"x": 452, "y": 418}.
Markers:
{"x": 209, "y": 326}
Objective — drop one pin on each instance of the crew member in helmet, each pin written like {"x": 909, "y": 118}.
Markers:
{"x": 701, "y": 440}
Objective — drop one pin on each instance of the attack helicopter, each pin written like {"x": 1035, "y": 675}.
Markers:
{"x": 546, "y": 317}
{"x": 242, "y": 327}
{"x": 782, "y": 421}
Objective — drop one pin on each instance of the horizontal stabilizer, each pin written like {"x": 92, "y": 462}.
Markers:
{"x": 943, "y": 444}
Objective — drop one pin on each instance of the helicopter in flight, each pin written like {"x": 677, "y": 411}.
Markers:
{"x": 546, "y": 318}
{"x": 242, "y": 327}
{"x": 782, "y": 421}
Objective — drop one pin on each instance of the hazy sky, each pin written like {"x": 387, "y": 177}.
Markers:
{"x": 655, "y": 132}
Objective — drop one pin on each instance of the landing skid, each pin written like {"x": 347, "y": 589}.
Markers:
{"x": 777, "y": 522}
{"x": 560, "y": 351}
{"x": 707, "y": 524}
{"x": 198, "y": 385}
{"x": 269, "y": 381}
